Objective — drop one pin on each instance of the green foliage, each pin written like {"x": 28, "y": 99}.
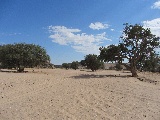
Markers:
{"x": 151, "y": 63}
{"x": 137, "y": 43}
{"x": 74, "y": 65}
{"x": 111, "y": 53}
{"x": 92, "y": 62}
{"x": 66, "y": 65}
{"x": 140, "y": 42}
{"x": 24, "y": 55}
{"x": 83, "y": 63}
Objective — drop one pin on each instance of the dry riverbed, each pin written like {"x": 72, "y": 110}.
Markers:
{"x": 57, "y": 94}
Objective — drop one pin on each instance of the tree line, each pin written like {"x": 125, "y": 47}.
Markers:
{"x": 91, "y": 61}
{"x": 137, "y": 44}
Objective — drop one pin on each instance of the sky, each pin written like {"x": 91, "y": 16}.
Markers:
{"x": 72, "y": 29}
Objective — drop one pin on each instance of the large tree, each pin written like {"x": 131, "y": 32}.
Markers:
{"x": 92, "y": 62}
{"x": 22, "y": 55}
{"x": 137, "y": 44}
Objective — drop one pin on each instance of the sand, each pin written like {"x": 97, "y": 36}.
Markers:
{"x": 57, "y": 94}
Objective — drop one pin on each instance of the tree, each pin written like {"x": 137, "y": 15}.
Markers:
{"x": 74, "y": 65}
{"x": 110, "y": 54}
{"x": 83, "y": 63}
{"x": 92, "y": 62}
{"x": 140, "y": 43}
{"x": 65, "y": 65}
{"x": 22, "y": 55}
{"x": 137, "y": 44}
{"x": 151, "y": 63}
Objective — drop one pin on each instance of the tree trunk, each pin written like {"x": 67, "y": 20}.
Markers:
{"x": 131, "y": 68}
{"x": 134, "y": 72}
{"x": 20, "y": 69}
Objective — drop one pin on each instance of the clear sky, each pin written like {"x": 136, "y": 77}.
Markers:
{"x": 71, "y": 29}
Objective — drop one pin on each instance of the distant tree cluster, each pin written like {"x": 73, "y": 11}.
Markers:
{"x": 22, "y": 55}
{"x": 91, "y": 61}
{"x": 74, "y": 65}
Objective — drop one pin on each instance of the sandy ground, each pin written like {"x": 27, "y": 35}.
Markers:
{"x": 79, "y": 95}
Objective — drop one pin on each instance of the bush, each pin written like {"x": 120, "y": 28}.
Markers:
{"x": 74, "y": 65}
{"x": 92, "y": 62}
{"x": 65, "y": 65}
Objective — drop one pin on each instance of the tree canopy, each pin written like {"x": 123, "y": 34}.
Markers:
{"x": 110, "y": 53}
{"x": 92, "y": 62}
{"x": 74, "y": 65}
{"x": 66, "y": 65}
{"x": 22, "y": 55}
{"x": 137, "y": 43}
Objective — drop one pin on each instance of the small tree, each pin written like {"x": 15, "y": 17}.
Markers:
{"x": 92, "y": 62}
{"x": 65, "y": 65}
{"x": 74, "y": 65}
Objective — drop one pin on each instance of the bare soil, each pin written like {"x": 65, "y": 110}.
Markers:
{"x": 57, "y": 94}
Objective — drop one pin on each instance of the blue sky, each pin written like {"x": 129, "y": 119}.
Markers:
{"x": 71, "y": 29}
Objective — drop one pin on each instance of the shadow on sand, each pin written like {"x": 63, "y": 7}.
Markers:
{"x": 85, "y": 76}
{"x": 12, "y": 71}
